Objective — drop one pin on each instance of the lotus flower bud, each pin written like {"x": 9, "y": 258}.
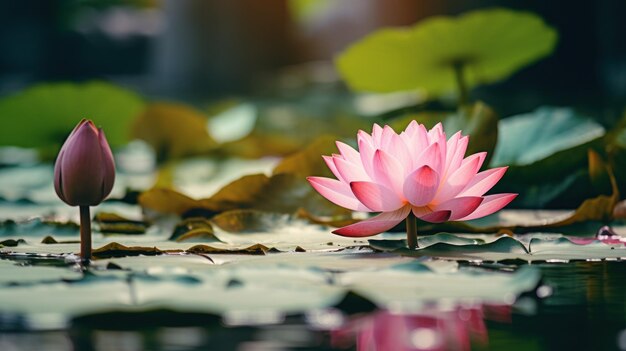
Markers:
{"x": 84, "y": 171}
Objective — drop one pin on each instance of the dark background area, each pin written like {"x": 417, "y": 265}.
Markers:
{"x": 202, "y": 49}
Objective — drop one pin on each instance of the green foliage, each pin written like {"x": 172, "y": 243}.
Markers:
{"x": 43, "y": 115}
{"x": 547, "y": 154}
{"x": 488, "y": 46}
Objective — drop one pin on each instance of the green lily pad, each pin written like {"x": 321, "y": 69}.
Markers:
{"x": 43, "y": 115}
{"x": 540, "y": 248}
{"x": 490, "y": 45}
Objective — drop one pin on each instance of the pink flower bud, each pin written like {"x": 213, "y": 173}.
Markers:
{"x": 84, "y": 171}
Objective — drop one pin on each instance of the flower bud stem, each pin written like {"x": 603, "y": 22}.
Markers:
{"x": 411, "y": 231}
{"x": 85, "y": 233}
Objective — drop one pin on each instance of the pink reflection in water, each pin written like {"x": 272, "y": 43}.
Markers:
{"x": 456, "y": 329}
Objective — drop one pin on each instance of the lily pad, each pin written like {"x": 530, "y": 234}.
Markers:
{"x": 42, "y": 115}
{"x": 489, "y": 45}
{"x": 505, "y": 248}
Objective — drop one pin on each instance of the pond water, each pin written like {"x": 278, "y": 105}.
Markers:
{"x": 577, "y": 306}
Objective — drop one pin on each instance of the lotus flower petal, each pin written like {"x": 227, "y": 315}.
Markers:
{"x": 483, "y": 182}
{"x": 349, "y": 153}
{"x": 490, "y": 204}
{"x": 460, "y": 207}
{"x": 337, "y": 192}
{"x": 459, "y": 179}
{"x": 388, "y": 171}
{"x": 376, "y": 224}
{"x": 421, "y": 186}
{"x": 376, "y": 197}
{"x": 437, "y": 216}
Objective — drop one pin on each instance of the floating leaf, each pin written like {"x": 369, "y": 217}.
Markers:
{"x": 489, "y": 45}
{"x": 118, "y": 250}
{"x": 112, "y": 223}
{"x": 173, "y": 130}
{"x": 12, "y": 242}
{"x": 257, "y": 249}
{"x": 506, "y": 248}
{"x": 196, "y": 225}
{"x": 42, "y": 115}
{"x": 236, "y": 221}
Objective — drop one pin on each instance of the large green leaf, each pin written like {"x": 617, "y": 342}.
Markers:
{"x": 43, "y": 115}
{"x": 547, "y": 154}
{"x": 531, "y": 137}
{"x": 489, "y": 44}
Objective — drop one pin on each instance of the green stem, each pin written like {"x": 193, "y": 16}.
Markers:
{"x": 85, "y": 234}
{"x": 411, "y": 231}
{"x": 459, "y": 75}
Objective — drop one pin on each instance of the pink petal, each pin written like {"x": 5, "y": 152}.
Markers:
{"x": 460, "y": 206}
{"x": 348, "y": 152}
{"x": 108, "y": 165}
{"x": 377, "y": 135}
{"x": 336, "y": 192}
{"x": 412, "y": 127}
{"x": 436, "y": 216}
{"x": 388, "y": 171}
{"x": 416, "y": 139}
{"x": 393, "y": 144}
{"x": 456, "y": 158}
{"x": 469, "y": 159}
{"x": 490, "y": 204}
{"x": 349, "y": 171}
{"x": 331, "y": 165}
{"x": 366, "y": 151}
{"x": 376, "y": 197}
{"x": 435, "y": 133}
{"x": 421, "y": 186}
{"x": 375, "y": 225}
{"x": 459, "y": 179}
{"x": 431, "y": 157}
{"x": 483, "y": 182}
{"x": 452, "y": 145}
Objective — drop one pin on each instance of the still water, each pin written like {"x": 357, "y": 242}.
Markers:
{"x": 578, "y": 306}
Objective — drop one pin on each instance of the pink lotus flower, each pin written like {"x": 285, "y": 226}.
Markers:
{"x": 415, "y": 173}
{"x": 84, "y": 171}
